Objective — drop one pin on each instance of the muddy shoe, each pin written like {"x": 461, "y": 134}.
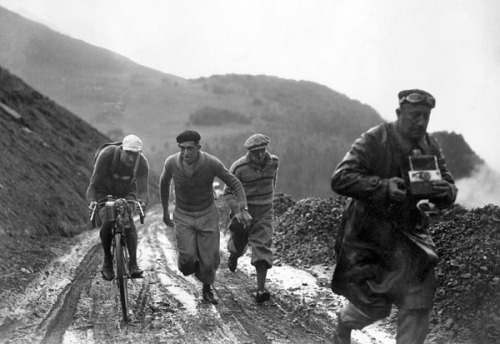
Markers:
{"x": 208, "y": 295}
{"x": 135, "y": 272}
{"x": 232, "y": 262}
{"x": 262, "y": 295}
{"x": 107, "y": 269}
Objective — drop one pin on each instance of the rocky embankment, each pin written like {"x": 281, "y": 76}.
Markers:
{"x": 467, "y": 301}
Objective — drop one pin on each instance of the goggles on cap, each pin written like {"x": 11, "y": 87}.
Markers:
{"x": 419, "y": 98}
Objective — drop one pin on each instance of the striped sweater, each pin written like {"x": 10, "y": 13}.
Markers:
{"x": 258, "y": 181}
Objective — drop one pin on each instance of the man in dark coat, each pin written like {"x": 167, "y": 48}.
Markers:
{"x": 385, "y": 253}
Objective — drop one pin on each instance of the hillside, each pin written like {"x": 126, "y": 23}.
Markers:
{"x": 46, "y": 162}
{"x": 311, "y": 126}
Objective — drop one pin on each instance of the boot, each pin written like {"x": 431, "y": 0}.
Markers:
{"x": 342, "y": 334}
{"x": 107, "y": 268}
{"x": 262, "y": 293}
{"x": 232, "y": 262}
{"x": 208, "y": 295}
{"x": 133, "y": 268}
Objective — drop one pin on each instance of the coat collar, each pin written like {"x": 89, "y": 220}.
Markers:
{"x": 406, "y": 145}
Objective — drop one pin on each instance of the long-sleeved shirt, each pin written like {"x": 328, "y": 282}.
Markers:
{"x": 112, "y": 177}
{"x": 259, "y": 181}
{"x": 194, "y": 188}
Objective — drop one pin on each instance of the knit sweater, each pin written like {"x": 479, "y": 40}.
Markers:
{"x": 259, "y": 181}
{"x": 121, "y": 182}
{"x": 194, "y": 189}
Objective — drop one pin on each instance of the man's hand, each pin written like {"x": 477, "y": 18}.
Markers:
{"x": 442, "y": 187}
{"x": 167, "y": 220}
{"x": 244, "y": 217}
{"x": 91, "y": 208}
{"x": 397, "y": 192}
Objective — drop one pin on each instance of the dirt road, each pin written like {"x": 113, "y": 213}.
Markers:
{"x": 69, "y": 302}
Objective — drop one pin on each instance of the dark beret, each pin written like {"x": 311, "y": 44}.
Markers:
{"x": 188, "y": 135}
{"x": 426, "y": 97}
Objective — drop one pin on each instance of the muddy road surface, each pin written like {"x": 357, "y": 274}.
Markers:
{"x": 69, "y": 302}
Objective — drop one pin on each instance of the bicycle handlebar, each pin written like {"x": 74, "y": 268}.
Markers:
{"x": 104, "y": 200}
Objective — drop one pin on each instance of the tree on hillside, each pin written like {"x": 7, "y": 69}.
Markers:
{"x": 214, "y": 116}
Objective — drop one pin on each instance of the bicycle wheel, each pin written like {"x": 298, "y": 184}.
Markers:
{"x": 121, "y": 275}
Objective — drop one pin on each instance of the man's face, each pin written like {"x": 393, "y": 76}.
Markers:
{"x": 258, "y": 155}
{"x": 189, "y": 151}
{"x": 128, "y": 157}
{"x": 413, "y": 120}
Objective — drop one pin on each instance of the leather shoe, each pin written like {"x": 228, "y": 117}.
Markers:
{"x": 107, "y": 269}
{"x": 209, "y": 297}
{"x": 134, "y": 270}
{"x": 262, "y": 295}
{"x": 232, "y": 262}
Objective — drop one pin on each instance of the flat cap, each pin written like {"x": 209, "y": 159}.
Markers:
{"x": 188, "y": 135}
{"x": 256, "y": 141}
{"x": 416, "y": 96}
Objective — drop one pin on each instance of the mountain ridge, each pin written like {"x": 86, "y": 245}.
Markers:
{"x": 311, "y": 126}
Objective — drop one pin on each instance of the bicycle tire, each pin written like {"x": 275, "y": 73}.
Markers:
{"x": 121, "y": 275}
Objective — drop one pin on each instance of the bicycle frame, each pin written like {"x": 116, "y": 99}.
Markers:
{"x": 118, "y": 212}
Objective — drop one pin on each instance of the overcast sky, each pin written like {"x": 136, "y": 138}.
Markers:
{"x": 367, "y": 50}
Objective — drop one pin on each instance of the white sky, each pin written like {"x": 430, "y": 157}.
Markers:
{"x": 367, "y": 50}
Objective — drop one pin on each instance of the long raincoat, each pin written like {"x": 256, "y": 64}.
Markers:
{"x": 384, "y": 250}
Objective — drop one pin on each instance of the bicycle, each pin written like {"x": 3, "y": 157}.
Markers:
{"x": 118, "y": 212}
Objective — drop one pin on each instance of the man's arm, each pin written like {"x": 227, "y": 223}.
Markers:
{"x": 352, "y": 177}
{"x": 142, "y": 179}
{"x": 165, "y": 182}
{"x": 228, "y": 194}
{"x": 241, "y": 213}
{"x": 99, "y": 175}
{"x": 446, "y": 187}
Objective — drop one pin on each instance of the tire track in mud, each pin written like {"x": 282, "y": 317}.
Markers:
{"x": 61, "y": 314}
{"x": 237, "y": 316}
{"x": 166, "y": 307}
{"x": 271, "y": 319}
{"x": 203, "y": 322}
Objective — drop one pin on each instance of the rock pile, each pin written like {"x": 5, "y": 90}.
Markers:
{"x": 305, "y": 234}
{"x": 467, "y": 302}
{"x": 281, "y": 203}
{"x": 468, "y": 291}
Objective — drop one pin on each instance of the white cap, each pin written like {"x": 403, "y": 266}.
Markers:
{"x": 132, "y": 143}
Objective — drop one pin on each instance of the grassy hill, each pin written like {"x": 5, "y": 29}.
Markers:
{"x": 47, "y": 160}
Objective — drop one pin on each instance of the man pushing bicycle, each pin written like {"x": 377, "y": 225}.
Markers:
{"x": 120, "y": 170}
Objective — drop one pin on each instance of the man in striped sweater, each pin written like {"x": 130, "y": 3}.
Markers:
{"x": 258, "y": 172}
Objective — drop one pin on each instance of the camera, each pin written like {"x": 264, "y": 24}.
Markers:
{"x": 422, "y": 173}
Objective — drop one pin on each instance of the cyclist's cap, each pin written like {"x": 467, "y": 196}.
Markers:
{"x": 188, "y": 135}
{"x": 132, "y": 143}
{"x": 257, "y": 141}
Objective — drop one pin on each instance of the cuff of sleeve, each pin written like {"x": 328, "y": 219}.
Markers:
{"x": 232, "y": 204}
{"x": 380, "y": 192}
